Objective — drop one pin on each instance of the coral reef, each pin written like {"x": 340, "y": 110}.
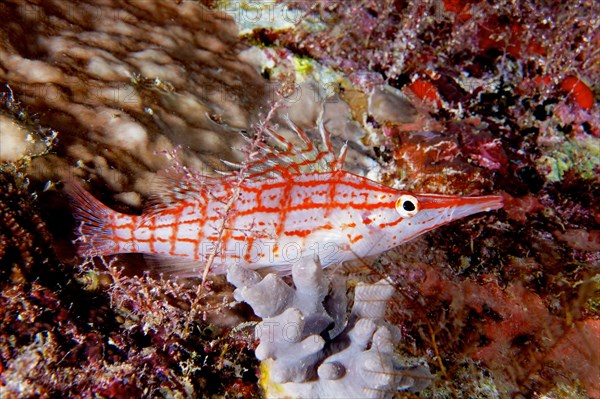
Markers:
{"x": 483, "y": 100}
{"x": 483, "y": 96}
{"x": 94, "y": 332}
{"x": 441, "y": 96}
{"x": 310, "y": 348}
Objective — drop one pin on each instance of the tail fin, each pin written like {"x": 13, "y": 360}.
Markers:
{"x": 94, "y": 222}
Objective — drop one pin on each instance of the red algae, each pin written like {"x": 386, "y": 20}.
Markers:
{"x": 578, "y": 91}
{"x": 568, "y": 355}
{"x": 521, "y": 208}
{"x": 425, "y": 90}
{"x": 90, "y": 331}
{"x": 508, "y": 328}
{"x": 580, "y": 239}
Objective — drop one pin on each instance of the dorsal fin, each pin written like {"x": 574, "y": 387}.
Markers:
{"x": 177, "y": 184}
{"x": 270, "y": 155}
{"x": 276, "y": 155}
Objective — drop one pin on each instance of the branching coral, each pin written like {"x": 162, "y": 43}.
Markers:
{"x": 310, "y": 349}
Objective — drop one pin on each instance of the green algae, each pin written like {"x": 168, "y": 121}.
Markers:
{"x": 581, "y": 155}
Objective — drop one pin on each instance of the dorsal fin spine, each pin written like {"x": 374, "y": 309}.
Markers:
{"x": 283, "y": 159}
{"x": 341, "y": 160}
{"x": 325, "y": 136}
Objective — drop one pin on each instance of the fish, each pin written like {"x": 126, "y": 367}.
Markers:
{"x": 287, "y": 203}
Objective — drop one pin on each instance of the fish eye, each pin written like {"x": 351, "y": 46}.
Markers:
{"x": 407, "y": 206}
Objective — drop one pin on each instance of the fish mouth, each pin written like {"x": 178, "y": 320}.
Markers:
{"x": 458, "y": 206}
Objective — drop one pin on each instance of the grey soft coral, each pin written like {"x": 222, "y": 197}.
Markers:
{"x": 310, "y": 347}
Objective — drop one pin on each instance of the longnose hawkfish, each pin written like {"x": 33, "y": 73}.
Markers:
{"x": 292, "y": 203}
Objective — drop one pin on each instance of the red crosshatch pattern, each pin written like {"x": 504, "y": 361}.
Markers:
{"x": 282, "y": 213}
